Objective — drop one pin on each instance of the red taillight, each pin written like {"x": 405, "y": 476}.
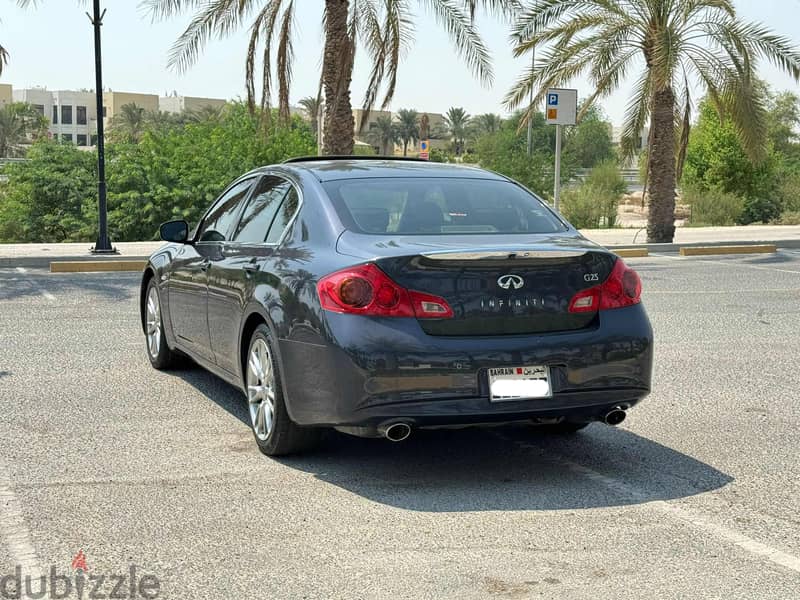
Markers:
{"x": 366, "y": 290}
{"x": 622, "y": 288}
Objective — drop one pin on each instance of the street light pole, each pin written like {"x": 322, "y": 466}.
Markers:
{"x": 103, "y": 245}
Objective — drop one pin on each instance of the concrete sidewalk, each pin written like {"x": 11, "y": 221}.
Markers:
{"x": 40, "y": 255}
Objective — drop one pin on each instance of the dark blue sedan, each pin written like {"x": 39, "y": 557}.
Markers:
{"x": 377, "y": 296}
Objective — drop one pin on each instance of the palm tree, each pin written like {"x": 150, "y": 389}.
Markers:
{"x": 457, "y": 122}
{"x": 487, "y": 123}
{"x": 129, "y": 124}
{"x": 407, "y": 127}
{"x": 384, "y": 135}
{"x": 20, "y": 124}
{"x": 682, "y": 43}
{"x": 384, "y": 28}
{"x": 312, "y": 105}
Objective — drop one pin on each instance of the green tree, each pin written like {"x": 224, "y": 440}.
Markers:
{"x": 384, "y": 28}
{"x": 407, "y": 127}
{"x": 20, "y": 124}
{"x": 171, "y": 172}
{"x": 457, "y": 123}
{"x": 128, "y": 125}
{"x": 505, "y": 152}
{"x": 311, "y": 106}
{"x": 589, "y": 143}
{"x": 384, "y": 135}
{"x": 486, "y": 123}
{"x": 681, "y": 43}
{"x": 716, "y": 160}
{"x": 50, "y": 197}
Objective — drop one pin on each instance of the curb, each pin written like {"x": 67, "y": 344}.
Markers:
{"x": 676, "y": 248}
{"x": 631, "y": 252}
{"x": 740, "y": 249}
{"x": 96, "y": 266}
{"x": 43, "y": 262}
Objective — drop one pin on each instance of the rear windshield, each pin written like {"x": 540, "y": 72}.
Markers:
{"x": 439, "y": 206}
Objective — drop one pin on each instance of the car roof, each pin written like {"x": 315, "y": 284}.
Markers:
{"x": 330, "y": 169}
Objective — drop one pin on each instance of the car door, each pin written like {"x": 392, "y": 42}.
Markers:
{"x": 232, "y": 273}
{"x": 188, "y": 282}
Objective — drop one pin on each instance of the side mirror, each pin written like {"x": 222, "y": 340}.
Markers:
{"x": 174, "y": 231}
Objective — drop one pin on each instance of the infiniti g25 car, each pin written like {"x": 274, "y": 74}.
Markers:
{"x": 379, "y": 296}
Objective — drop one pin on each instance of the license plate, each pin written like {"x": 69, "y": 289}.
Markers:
{"x": 519, "y": 383}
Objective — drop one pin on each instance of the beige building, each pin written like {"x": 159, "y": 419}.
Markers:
{"x": 178, "y": 104}
{"x": 114, "y": 101}
{"x": 6, "y": 96}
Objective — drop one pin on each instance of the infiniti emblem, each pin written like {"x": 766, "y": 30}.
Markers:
{"x": 510, "y": 281}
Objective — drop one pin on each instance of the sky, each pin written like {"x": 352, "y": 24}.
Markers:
{"x": 51, "y": 45}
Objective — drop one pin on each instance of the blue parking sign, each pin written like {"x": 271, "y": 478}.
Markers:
{"x": 552, "y": 99}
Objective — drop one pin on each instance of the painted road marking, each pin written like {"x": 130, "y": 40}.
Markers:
{"x": 691, "y": 517}
{"x": 45, "y": 294}
{"x": 723, "y": 262}
{"x": 14, "y": 531}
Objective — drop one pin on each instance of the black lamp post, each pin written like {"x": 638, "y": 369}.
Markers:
{"x": 103, "y": 245}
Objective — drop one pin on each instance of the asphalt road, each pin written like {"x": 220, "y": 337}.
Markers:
{"x": 695, "y": 496}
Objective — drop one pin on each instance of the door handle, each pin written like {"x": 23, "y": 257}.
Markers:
{"x": 205, "y": 265}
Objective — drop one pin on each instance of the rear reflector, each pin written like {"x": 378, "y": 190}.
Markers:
{"x": 622, "y": 288}
{"x": 366, "y": 290}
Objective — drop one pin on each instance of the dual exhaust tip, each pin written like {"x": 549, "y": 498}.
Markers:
{"x": 399, "y": 431}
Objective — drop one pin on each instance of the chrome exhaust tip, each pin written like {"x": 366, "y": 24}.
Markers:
{"x": 615, "y": 416}
{"x": 396, "y": 432}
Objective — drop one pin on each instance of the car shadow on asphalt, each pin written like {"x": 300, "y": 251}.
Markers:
{"x": 496, "y": 468}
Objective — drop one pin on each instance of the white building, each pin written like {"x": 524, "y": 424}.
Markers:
{"x": 72, "y": 115}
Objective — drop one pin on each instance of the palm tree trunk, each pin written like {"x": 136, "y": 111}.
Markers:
{"x": 661, "y": 169}
{"x": 405, "y": 148}
{"x": 337, "y": 73}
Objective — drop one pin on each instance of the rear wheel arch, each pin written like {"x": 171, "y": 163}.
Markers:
{"x": 250, "y": 323}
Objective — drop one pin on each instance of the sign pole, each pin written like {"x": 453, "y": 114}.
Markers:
{"x": 557, "y": 184}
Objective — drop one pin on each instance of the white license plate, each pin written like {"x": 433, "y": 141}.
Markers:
{"x": 519, "y": 383}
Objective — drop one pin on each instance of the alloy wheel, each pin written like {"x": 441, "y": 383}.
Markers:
{"x": 153, "y": 323}
{"x": 261, "y": 389}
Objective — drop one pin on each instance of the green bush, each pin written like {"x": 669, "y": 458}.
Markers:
{"x": 440, "y": 156}
{"x": 172, "y": 172}
{"x": 580, "y": 207}
{"x": 713, "y": 206}
{"x": 789, "y": 193}
{"x": 760, "y": 209}
{"x": 607, "y": 181}
{"x": 790, "y": 217}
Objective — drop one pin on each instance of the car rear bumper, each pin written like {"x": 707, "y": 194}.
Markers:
{"x": 371, "y": 371}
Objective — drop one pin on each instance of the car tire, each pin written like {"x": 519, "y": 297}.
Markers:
{"x": 563, "y": 428}
{"x": 275, "y": 432}
{"x": 158, "y": 351}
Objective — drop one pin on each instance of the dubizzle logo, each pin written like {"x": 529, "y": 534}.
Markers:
{"x": 79, "y": 584}
{"x": 79, "y": 562}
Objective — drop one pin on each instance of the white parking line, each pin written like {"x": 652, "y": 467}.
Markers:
{"x": 14, "y": 531}
{"x": 698, "y": 521}
{"x": 45, "y": 294}
{"x": 725, "y": 262}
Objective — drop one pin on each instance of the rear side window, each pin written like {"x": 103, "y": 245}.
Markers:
{"x": 439, "y": 206}
{"x": 286, "y": 212}
{"x": 261, "y": 210}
